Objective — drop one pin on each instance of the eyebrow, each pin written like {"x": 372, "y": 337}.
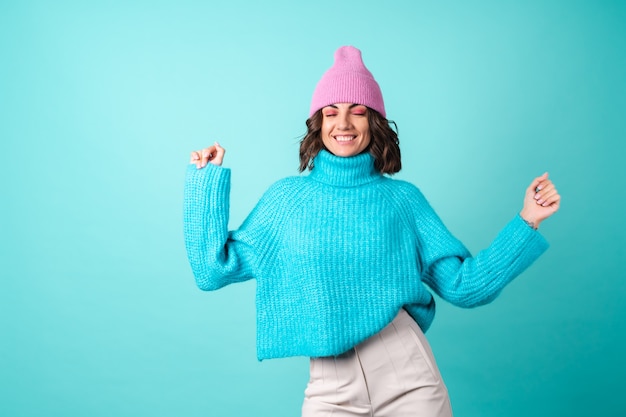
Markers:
{"x": 351, "y": 106}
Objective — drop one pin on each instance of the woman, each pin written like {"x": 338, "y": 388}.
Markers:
{"x": 343, "y": 256}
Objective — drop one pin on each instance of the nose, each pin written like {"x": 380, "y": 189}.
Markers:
{"x": 343, "y": 122}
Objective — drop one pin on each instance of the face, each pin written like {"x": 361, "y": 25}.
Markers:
{"x": 345, "y": 129}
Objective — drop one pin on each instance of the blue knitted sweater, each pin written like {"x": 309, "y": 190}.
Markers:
{"x": 337, "y": 253}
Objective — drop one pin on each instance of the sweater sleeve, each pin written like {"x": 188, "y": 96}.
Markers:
{"x": 216, "y": 259}
{"x": 450, "y": 270}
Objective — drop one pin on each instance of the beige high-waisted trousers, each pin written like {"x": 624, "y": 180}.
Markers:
{"x": 391, "y": 374}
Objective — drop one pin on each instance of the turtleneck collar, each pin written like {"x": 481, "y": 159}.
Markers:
{"x": 344, "y": 172}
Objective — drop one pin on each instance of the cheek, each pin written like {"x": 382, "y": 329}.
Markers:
{"x": 366, "y": 133}
{"x": 324, "y": 135}
{"x": 364, "y": 127}
{"x": 324, "y": 129}
{"x": 367, "y": 140}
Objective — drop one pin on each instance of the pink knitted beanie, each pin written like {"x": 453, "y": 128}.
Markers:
{"x": 348, "y": 81}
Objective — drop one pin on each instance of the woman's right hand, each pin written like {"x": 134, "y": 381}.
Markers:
{"x": 213, "y": 154}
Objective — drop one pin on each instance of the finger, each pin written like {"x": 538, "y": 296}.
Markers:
{"x": 541, "y": 181}
{"x": 557, "y": 204}
{"x": 544, "y": 188}
{"x": 218, "y": 156}
{"x": 196, "y": 159}
{"x": 547, "y": 196}
{"x": 552, "y": 207}
{"x": 551, "y": 199}
{"x": 212, "y": 152}
{"x": 207, "y": 154}
{"x": 543, "y": 184}
{"x": 532, "y": 188}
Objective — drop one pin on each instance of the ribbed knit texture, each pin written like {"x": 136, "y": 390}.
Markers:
{"x": 348, "y": 81}
{"x": 337, "y": 253}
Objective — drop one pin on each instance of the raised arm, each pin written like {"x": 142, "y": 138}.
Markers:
{"x": 469, "y": 281}
{"x": 215, "y": 258}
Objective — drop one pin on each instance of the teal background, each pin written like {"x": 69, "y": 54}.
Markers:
{"x": 101, "y": 102}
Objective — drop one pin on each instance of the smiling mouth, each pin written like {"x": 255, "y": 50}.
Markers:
{"x": 344, "y": 138}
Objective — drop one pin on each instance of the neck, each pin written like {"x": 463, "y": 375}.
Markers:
{"x": 344, "y": 171}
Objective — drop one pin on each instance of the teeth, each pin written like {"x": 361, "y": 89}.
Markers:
{"x": 344, "y": 138}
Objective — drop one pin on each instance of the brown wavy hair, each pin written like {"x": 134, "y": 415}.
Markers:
{"x": 383, "y": 146}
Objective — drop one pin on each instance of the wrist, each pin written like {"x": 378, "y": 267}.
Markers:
{"x": 530, "y": 220}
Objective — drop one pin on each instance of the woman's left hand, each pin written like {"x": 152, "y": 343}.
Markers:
{"x": 213, "y": 154}
{"x": 542, "y": 200}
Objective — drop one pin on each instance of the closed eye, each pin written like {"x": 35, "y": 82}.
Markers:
{"x": 359, "y": 110}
